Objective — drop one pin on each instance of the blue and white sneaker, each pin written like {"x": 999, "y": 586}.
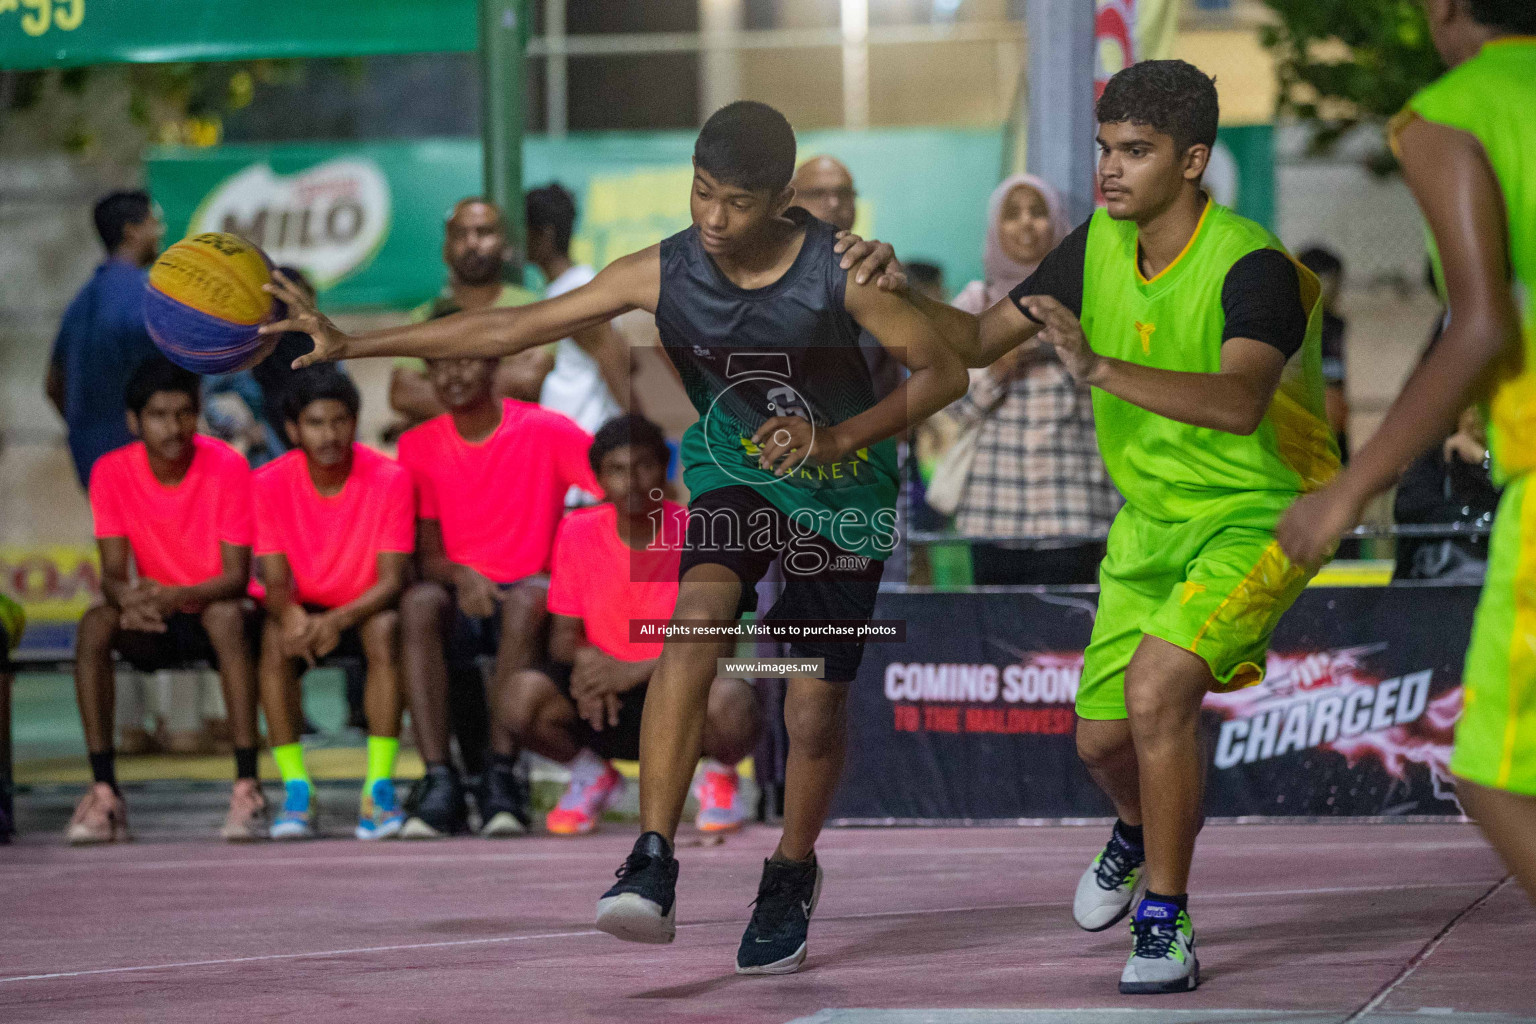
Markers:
{"x": 1164, "y": 958}
{"x": 297, "y": 818}
{"x": 380, "y": 816}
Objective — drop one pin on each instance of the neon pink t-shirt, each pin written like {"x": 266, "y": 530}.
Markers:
{"x": 333, "y": 544}
{"x": 605, "y": 583}
{"x": 499, "y": 501}
{"x": 174, "y": 532}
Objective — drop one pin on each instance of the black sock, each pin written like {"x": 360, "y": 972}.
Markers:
{"x": 104, "y": 767}
{"x": 502, "y": 762}
{"x": 245, "y": 762}
{"x": 1181, "y": 900}
{"x": 439, "y": 768}
{"x": 1130, "y": 835}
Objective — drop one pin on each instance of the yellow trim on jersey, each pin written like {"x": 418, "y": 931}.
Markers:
{"x": 1209, "y": 202}
{"x": 1522, "y": 646}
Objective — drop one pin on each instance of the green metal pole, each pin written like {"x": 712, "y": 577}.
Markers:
{"x": 503, "y": 45}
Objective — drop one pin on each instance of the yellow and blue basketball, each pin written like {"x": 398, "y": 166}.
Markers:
{"x": 205, "y": 304}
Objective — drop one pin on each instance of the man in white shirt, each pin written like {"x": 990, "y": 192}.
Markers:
{"x": 590, "y": 381}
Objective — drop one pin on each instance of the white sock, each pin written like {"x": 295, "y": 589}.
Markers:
{"x": 586, "y": 767}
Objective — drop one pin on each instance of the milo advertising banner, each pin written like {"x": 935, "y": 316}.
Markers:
{"x": 364, "y": 221}
{"x": 971, "y": 718}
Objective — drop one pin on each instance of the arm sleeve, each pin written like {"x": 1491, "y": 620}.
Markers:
{"x": 1060, "y": 274}
{"x": 1261, "y": 298}
{"x": 267, "y": 541}
{"x": 571, "y": 445}
{"x": 238, "y": 527}
{"x": 105, "y": 507}
{"x": 410, "y": 458}
{"x": 564, "y": 582}
{"x": 399, "y": 525}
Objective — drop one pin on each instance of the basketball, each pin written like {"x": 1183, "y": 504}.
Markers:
{"x": 205, "y": 305}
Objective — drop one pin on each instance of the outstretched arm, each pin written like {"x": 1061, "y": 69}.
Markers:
{"x": 1449, "y": 175}
{"x": 631, "y": 282}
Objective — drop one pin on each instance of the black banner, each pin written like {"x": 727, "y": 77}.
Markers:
{"x": 971, "y": 718}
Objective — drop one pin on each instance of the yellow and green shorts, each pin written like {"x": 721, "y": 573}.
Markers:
{"x": 1215, "y": 586}
{"x": 1496, "y": 736}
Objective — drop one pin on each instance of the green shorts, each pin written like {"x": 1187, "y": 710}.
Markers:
{"x": 1215, "y": 586}
{"x": 1496, "y": 736}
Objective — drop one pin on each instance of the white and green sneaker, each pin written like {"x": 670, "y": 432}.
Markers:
{"x": 1164, "y": 958}
{"x": 1109, "y": 887}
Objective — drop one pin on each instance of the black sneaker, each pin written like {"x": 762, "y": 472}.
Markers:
{"x": 642, "y": 905}
{"x": 436, "y": 807}
{"x": 503, "y": 800}
{"x": 775, "y": 939}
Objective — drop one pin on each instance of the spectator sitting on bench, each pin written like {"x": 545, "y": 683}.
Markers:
{"x": 335, "y": 529}
{"x": 491, "y": 478}
{"x": 180, "y": 505}
{"x": 611, "y": 567}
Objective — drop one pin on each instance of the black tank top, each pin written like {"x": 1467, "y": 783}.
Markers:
{"x": 787, "y": 349}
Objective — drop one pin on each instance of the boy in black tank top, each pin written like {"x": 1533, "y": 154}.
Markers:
{"x": 791, "y": 459}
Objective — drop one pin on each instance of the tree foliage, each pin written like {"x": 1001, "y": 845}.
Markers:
{"x": 1342, "y": 63}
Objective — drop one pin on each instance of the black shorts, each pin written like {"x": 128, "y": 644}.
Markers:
{"x": 470, "y": 638}
{"x": 622, "y": 740}
{"x": 184, "y": 644}
{"x": 822, "y": 582}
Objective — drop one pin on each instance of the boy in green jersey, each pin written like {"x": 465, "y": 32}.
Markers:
{"x": 1465, "y": 143}
{"x": 1201, "y": 339}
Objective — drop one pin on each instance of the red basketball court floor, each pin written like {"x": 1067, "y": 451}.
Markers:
{"x": 1298, "y": 924}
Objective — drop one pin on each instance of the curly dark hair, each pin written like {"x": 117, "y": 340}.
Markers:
{"x": 1517, "y": 16}
{"x": 1170, "y": 96}
{"x": 626, "y": 430}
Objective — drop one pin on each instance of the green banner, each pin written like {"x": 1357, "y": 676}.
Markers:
{"x": 365, "y": 220}
{"x": 62, "y": 33}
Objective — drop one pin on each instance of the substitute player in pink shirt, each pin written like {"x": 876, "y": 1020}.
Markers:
{"x": 173, "y": 524}
{"x": 335, "y": 528}
{"x": 616, "y": 564}
{"x": 491, "y": 476}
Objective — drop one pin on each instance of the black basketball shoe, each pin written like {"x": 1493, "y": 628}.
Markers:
{"x": 503, "y": 799}
{"x": 775, "y": 939}
{"x": 642, "y": 905}
{"x": 436, "y": 806}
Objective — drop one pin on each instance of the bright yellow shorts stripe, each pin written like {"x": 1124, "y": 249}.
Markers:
{"x": 1522, "y": 646}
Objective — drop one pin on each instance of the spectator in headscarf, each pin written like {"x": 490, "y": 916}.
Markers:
{"x": 1037, "y": 484}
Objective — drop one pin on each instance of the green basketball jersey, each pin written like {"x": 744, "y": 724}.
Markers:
{"x": 1493, "y": 97}
{"x": 1174, "y": 471}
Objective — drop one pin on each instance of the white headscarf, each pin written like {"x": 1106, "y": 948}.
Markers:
{"x": 1003, "y": 271}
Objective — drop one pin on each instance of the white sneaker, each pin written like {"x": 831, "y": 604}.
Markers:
{"x": 1110, "y": 886}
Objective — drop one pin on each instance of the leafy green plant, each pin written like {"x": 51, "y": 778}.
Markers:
{"x": 1342, "y": 63}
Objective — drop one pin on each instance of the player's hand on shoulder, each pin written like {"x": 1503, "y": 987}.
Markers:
{"x": 330, "y": 340}
{"x": 871, "y": 260}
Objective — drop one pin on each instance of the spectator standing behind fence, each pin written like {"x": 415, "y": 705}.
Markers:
{"x": 102, "y": 337}
{"x": 1329, "y": 268}
{"x": 475, "y": 251}
{"x": 1036, "y": 471}
{"x": 590, "y": 379}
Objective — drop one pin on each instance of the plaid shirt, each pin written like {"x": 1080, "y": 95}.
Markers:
{"x": 1037, "y": 472}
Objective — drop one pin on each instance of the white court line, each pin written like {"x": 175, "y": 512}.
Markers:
{"x": 387, "y": 859}
{"x": 500, "y": 939}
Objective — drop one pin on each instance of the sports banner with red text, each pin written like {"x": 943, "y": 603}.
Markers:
{"x": 971, "y": 719}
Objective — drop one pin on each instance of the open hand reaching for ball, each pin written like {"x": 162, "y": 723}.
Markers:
{"x": 330, "y": 340}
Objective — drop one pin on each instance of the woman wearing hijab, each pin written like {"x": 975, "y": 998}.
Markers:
{"x": 1037, "y": 472}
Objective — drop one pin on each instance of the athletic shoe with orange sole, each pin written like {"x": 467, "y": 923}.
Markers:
{"x": 582, "y": 804}
{"x": 100, "y": 817}
{"x": 722, "y": 808}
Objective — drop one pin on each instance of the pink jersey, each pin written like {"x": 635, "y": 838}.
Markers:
{"x": 174, "y": 532}
{"x": 499, "y": 501}
{"x": 332, "y": 543}
{"x": 605, "y": 583}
